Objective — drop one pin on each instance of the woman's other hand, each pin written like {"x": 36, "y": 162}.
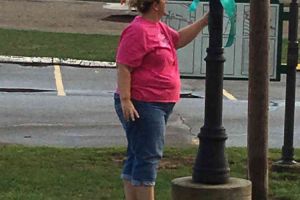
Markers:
{"x": 124, "y": 85}
{"x": 129, "y": 110}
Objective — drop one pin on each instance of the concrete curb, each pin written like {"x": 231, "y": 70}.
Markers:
{"x": 61, "y": 61}
{"x": 56, "y": 61}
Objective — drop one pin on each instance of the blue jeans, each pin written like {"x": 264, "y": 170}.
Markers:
{"x": 145, "y": 137}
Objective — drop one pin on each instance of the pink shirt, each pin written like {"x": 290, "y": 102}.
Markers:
{"x": 149, "y": 49}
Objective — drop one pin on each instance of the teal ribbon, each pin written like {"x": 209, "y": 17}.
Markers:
{"x": 230, "y": 9}
{"x": 194, "y": 5}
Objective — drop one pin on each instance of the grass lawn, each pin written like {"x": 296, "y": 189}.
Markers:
{"x": 35, "y": 173}
{"x": 66, "y": 45}
{"x": 61, "y": 45}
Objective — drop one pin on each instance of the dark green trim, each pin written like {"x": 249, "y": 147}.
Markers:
{"x": 282, "y": 68}
{"x": 279, "y": 42}
{"x": 285, "y": 16}
{"x": 203, "y": 77}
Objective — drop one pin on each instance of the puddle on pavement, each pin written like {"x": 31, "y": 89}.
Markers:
{"x": 23, "y": 90}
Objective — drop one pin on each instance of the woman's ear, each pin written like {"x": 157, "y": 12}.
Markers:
{"x": 155, "y": 6}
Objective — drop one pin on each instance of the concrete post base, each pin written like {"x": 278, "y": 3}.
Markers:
{"x": 236, "y": 189}
{"x": 281, "y": 166}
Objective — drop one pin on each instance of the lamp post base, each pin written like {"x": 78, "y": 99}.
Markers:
{"x": 283, "y": 166}
{"x": 184, "y": 188}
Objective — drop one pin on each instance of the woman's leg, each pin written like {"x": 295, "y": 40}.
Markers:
{"x": 138, "y": 192}
{"x": 145, "y": 144}
{"x": 148, "y": 146}
{"x": 144, "y": 192}
{"x": 130, "y": 192}
{"x": 129, "y": 189}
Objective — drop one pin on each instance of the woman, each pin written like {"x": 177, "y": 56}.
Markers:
{"x": 148, "y": 88}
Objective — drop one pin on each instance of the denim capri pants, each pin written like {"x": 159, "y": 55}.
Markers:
{"x": 145, "y": 137}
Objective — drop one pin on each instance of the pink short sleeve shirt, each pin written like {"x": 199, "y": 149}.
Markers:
{"x": 149, "y": 48}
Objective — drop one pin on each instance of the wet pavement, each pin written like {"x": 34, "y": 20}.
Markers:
{"x": 33, "y": 112}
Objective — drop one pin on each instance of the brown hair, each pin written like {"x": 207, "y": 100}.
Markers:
{"x": 142, "y": 6}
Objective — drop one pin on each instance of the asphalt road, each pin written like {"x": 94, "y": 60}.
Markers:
{"x": 75, "y": 109}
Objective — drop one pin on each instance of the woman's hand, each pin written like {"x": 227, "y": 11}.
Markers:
{"x": 204, "y": 19}
{"x": 129, "y": 110}
{"x": 187, "y": 34}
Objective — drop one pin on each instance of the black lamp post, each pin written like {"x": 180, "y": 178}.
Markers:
{"x": 211, "y": 165}
{"x": 287, "y": 149}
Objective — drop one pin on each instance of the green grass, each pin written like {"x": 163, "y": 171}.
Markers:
{"x": 62, "y": 45}
{"x": 66, "y": 45}
{"x": 35, "y": 173}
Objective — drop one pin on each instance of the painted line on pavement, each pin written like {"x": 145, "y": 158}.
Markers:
{"x": 58, "y": 81}
{"x": 228, "y": 95}
{"x": 195, "y": 141}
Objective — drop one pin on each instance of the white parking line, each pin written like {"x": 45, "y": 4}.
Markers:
{"x": 228, "y": 95}
{"x": 58, "y": 81}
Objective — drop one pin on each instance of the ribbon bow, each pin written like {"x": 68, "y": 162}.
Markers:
{"x": 230, "y": 9}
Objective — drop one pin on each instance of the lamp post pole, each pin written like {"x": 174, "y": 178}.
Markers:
{"x": 211, "y": 166}
{"x": 287, "y": 149}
